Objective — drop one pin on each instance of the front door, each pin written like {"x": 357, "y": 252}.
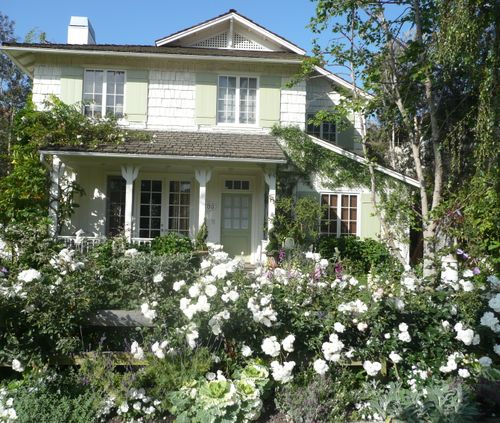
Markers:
{"x": 236, "y": 224}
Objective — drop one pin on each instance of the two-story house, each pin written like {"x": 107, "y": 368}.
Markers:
{"x": 209, "y": 94}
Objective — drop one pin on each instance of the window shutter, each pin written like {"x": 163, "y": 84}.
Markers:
{"x": 71, "y": 84}
{"x": 270, "y": 100}
{"x": 370, "y": 224}
{"x": 206, "y": 98}
{"x": 136, "y": 95}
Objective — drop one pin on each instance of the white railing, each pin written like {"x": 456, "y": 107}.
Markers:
{"x": 85, "y": 243}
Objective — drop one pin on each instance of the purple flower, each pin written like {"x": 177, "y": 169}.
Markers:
{"x": 339, "y": 270}
{"x": 476, "y": 271}
{"x": 462, "y": 253}
{"x": 281, "y": 255}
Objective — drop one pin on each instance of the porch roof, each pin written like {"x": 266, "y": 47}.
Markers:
{"x": 261, "y": 148}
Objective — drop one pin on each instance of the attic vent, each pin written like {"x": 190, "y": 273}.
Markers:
{"x": 217, "y": 41}
{"x": 242, "y": 43}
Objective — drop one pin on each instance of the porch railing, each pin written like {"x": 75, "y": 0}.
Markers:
{"x": 84, "y": 244}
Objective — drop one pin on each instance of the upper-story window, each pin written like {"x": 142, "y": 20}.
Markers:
{"x": 237, "y": 100}
{"x": 326, "y": 131}
{"x": 103, "y": 93}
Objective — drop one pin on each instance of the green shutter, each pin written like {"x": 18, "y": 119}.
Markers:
{"x": 136, "y": 95}
{"x": 370, "y": 224}
{"x": 270, "y": 100}
{"x": 206, "y": 98}
{"x": 71, "y": 84}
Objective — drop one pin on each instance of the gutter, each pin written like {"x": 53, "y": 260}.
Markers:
{"x": 160, "y": 156}
{"x": 149, "y": 55}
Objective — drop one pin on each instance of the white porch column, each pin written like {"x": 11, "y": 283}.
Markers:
{"x": 129, "y": 173}
{"x": 55, "y": 176}
{"x": 203, "y": 177}
{"x": 270, "y": 176}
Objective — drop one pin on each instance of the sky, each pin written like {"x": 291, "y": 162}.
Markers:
{"x": 142, "y": 22}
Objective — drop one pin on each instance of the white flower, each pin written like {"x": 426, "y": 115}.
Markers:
{"x": 246, "y": 351}
{"x": 158, "y": 349}
{"x": 395, "y": 357}
{"x": 493, "y": 280}
{"x": 131, "y": 252}
{"x": 496, "y": 349}
{"x": 233, "y": 295}
{"x": 338, "y": 327}
{"x": 137, "y": 351}
{"x": 387, "y": 335}
{"x": 404, "y": 337}
{"x": 178, "y": 285}
{"x": 489, "y": 319}
{"x": 362, "y": 326}
{"x": 467, "y": 286}
{"x": 203, "y": 304}
{"x": 494, "y": 303}
{"x": 210, "y": 290}
{"x": 271, "y": 346}
{"x": 445, "y": 324}
{"x": 409, "y": 283}
{"x": 463, "y": 373}
{"x": 124, "y": 407}
{"x": 287, "y": 343}
{"x": 158, "y": 277}
{"x": 468, "y": 274}
{"x": 485, "y": 361}
{"x": 29, "y": 275}
{"x": 282, "y": 372}
{"x": 17, "y": 366}
{"x": 372, "y": 367}
{"x": 451, "y": 363}
{"x": 194, "y": 291}
{"x": 147, "y": 312}
{"x": 332, "y": 349}
{"x": 191, "y": 338}
{"x": 403, "y": 327}
{"x": 356, "y": 306}
{"x": 466, "y": 336}
{"x": 205, "y": 264}
{"x": 137, "y": 405}
{"x": 320, "y": 366}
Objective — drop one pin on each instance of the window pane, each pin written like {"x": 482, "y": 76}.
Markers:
{"x": 179, "y": 200}
{"x": 115, "y": 205}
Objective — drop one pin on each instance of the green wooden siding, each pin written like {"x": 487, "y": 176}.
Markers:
{"x": 71, "y": 84}
{"x": 136, "y": 95}
{"x": 270, "y": 100}
{"x": 370, "y": 224}
{"x": 206, "y": 98}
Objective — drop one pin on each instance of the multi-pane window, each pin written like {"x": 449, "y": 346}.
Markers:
{"x": 237, "y": 100}
{"x": 237, "y": 184}
{"x": 340, "y": 215}
{"x": 150, "y": 208}
{"x": 326, "y": 131}
{"x": 178, "y": 207}
{"x": 236, "y": 213}
{"x": 115, "y": 205}
{"x": 103, "y": 93}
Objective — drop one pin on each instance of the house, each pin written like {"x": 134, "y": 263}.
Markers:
{"x": 209, "y": 95}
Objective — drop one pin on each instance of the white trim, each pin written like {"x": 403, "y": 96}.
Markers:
{"x": 362, "y": 160}
{"x": 341, "y": 81}
{"x": 161, "y": 156}
{"x": 232, "y": 15}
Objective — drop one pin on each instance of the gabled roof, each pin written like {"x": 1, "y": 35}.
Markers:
{"x": 250, "y": 148}
{"x": 232, "y": 14}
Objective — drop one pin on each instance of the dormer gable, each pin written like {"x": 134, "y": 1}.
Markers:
{"x": 230, "y": 31}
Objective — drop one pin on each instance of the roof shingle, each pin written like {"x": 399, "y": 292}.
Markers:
{"x": 193, "y": 145}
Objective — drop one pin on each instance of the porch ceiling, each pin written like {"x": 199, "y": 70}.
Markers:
{"x": 256, "y": 148}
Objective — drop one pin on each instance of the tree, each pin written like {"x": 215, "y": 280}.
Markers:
{"x": 408, "y": 54}
{"x": 14, "y": 90}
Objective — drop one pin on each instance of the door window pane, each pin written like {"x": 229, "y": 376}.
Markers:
{"x": 150, "y": 208}
{"x": 115, "y": 205}
{"x": 179, "y": 199}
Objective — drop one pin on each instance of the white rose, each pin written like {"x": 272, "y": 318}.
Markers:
{"x": 339, "y": 327}
{"x": 395, "y": 357}
{"x": 287, "y": 343}
{"x": 320, "y": 366}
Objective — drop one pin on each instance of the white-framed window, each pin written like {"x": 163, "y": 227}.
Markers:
{"x": 103, "y": 93}
{"x": 237, "y": 100}
{"x": 340, "y": 214}
{"x": 150, "y": 208}
{"x": 237, "y": 184}
{"x": 326, "y": 131}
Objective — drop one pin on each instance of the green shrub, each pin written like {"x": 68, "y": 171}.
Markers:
{"x": 172, "y": 243}
{"x": 358, "y": 256}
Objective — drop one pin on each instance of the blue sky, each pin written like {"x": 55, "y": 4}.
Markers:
{"x": 142, "y": 22}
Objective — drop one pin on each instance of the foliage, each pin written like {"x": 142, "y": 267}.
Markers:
{"x": 201, "y": 237}
{"x": 358, "y": 256}
{"x": 54, "y": 398}
{"x": 297, "y": 219}
{"x": 319, "y": 398}
{"x": 172, "y": 243}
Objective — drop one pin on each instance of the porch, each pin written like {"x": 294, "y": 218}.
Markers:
{"x": 145, "y": 196}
